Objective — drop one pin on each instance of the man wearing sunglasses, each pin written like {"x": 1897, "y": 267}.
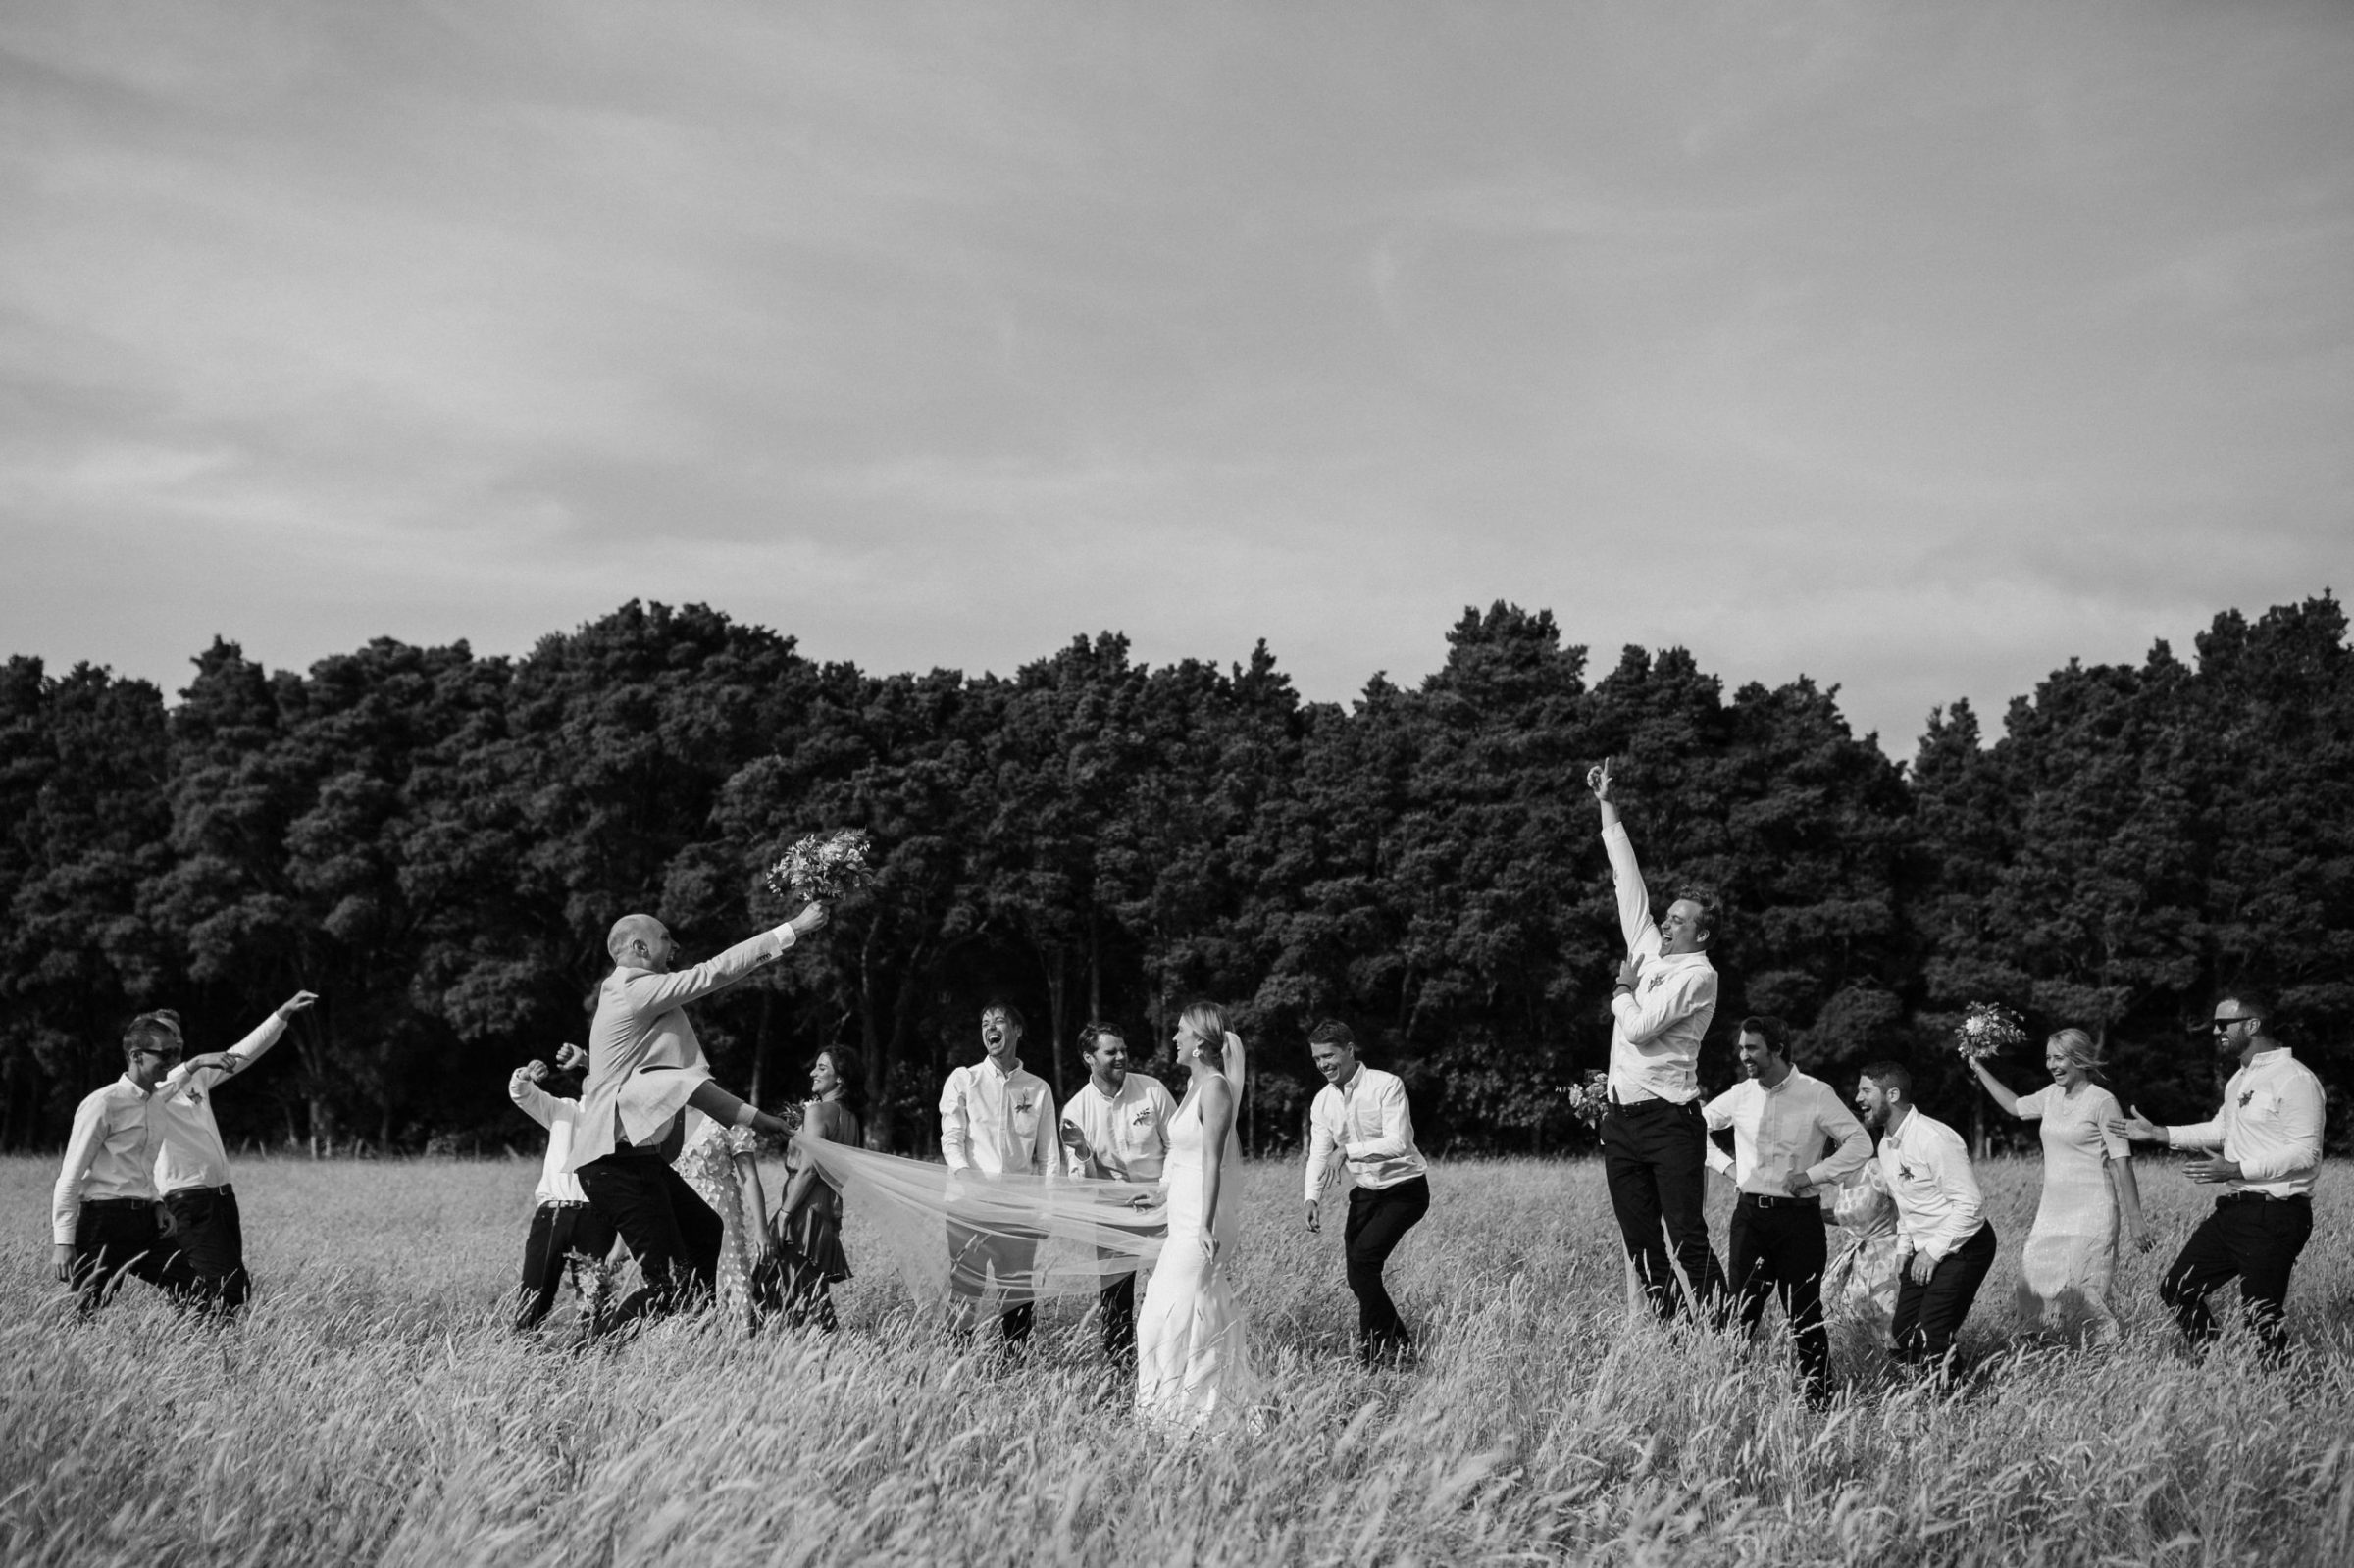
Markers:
{"x": 104, "y": 1218}
{"x": 2269, "y": 1134}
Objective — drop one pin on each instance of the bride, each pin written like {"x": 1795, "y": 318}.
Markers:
{"x": 1192, "y": 1361}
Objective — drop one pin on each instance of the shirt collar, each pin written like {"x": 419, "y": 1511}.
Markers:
{"x": 1007, "y": 1073}
{"x": 2278, "y": 1053}
{"x": 131, "y": 1084}
{"x": 1114, "y": 1097}
{"x": 1347, "y": 1085}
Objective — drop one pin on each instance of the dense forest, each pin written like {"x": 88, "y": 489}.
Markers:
{"x": 436, "y": 843}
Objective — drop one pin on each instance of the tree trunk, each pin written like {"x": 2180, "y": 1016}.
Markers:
{"x": 1056, "y": 986}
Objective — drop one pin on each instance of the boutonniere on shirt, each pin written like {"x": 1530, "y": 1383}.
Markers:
{"x": 2245, "y": 1095}
{"x": 1909, "y": 1172}
{"x": 1142, "y": 1118}
{"x": 1657, "y": 981}
{"x": 1025, "y": 1102}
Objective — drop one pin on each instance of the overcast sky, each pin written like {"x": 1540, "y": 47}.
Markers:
{"x": 1912, "y": 347}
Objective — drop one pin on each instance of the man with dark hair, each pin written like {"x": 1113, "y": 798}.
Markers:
{"x": 995, "y": 1121}
{"x": 567, "y": 1236}
{"x": 1115, "y": 1129}
{"x": 2268, "y": 1138}
{"x": 1360, "y": 1127}
{"x": 1782, "y": 1121}
{"x": 645, "y": 1069}
{"x": 1944, "y": 1245}
{"x": 191, "y": 1163}
{"x": 1653, "y": 1139}
{"x": 104, "y": 1215}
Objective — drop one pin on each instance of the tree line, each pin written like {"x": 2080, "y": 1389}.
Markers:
{"x": 436, "y": 843}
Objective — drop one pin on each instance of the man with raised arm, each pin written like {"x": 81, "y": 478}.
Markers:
{"x": 1653, "y": 1139}
{"x": 1115, "y": 1129}
{"x": 104, "y": 1217}
{"x": 1944, "y": 1245}
{"x": 1791, "y": 1135}
{"x": 645, "y": 1068}
{"x": 2267, "y": 1153}
{"x": 191, "y": 1165}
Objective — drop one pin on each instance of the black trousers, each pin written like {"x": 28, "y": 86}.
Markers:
{"x": 1929, "y": 1316}
{"x": 2256, "y": 1238}
{"x": 1378, "y": 1220}
{"x": 212, "y": 1244}
{"x": 1653, "y": 1156}
{"x": 1115, "y": 1313}
{"x": 116, "y": 1236}
{"x": 1777, "y": 1248}
{"x": 672, "y": 1234}
{"x": 562, "y": 1234}
{"x": 976, "y": 1255}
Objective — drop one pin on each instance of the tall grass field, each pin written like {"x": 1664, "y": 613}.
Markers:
{"x": 371, "y": 1407}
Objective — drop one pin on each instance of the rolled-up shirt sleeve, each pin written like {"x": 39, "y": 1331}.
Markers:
{"x": 81, "y": 1147}
{"x": 533, "y": 1100}
{"x": 2196, "y": 1134}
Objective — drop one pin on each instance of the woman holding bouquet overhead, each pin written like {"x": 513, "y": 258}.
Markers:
{"x": 2070, "y": 1254}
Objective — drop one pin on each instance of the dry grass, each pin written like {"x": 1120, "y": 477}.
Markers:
{"x": 370, "y": 1409}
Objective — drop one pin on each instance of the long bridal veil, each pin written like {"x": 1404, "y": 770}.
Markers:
{"x": 1061, "y": 1235}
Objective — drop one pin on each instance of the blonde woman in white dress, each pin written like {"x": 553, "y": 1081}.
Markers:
{"x": 2071, "y": 1256}
{"x": 1192, "y": 1361}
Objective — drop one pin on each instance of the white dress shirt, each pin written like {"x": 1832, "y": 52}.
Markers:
{"x": 1655, "y": 1038}
{"x": 187, "y": 1140}
{"x": 1128, "y": 1130}
{"x": 1783, "y": 1130}
{"x": 109, "y": 1154}
{"x": 996, "y": 1121}
{"x": 2269, "y": 1126}
{"x": 558, "y": 1184}
{"x": 1926, "y": 1168}
{"x": 643, "y": 1059}
{"x": 1366, "y": 1127}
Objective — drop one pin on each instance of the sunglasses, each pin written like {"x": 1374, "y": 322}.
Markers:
{"x": 2223, "y": 1025}
{"x": 170, "y": 1054}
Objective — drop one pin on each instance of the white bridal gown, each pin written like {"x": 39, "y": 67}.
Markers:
{"x": 1192, "y": 1357}
{"x": 2071, "y": 1256}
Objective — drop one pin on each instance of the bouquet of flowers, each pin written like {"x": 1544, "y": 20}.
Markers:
{"x": 1986, "y": 1030}
{"x": 823, "y": 868}
{"x": 1590, "y": 1098}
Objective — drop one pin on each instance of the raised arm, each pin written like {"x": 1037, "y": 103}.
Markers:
{"x": 523, "y": 1087}
{"x": 1996, "y": 1087}
{"x": 1642, "y": 933}
{"x": 245, "y": 1052}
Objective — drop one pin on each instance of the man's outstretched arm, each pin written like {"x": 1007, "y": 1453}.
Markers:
{"x": 1626, "y": 873}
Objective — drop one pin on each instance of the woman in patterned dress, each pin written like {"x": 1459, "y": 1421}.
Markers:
{"x": 1859, "y": 1282}
{"x": 2070, "y": 1254}
{"x": 720, "y": 1163}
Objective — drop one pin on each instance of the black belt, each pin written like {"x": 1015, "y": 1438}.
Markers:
{"x": 2263, "y": 1198}
{"x": 117, "y": 1202}
{"x": 1631, "y": 1107}
{"x": 1765, "y": 1200}
{"x": 223, "y": 1190}
{"x": 565, "y": 1203}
